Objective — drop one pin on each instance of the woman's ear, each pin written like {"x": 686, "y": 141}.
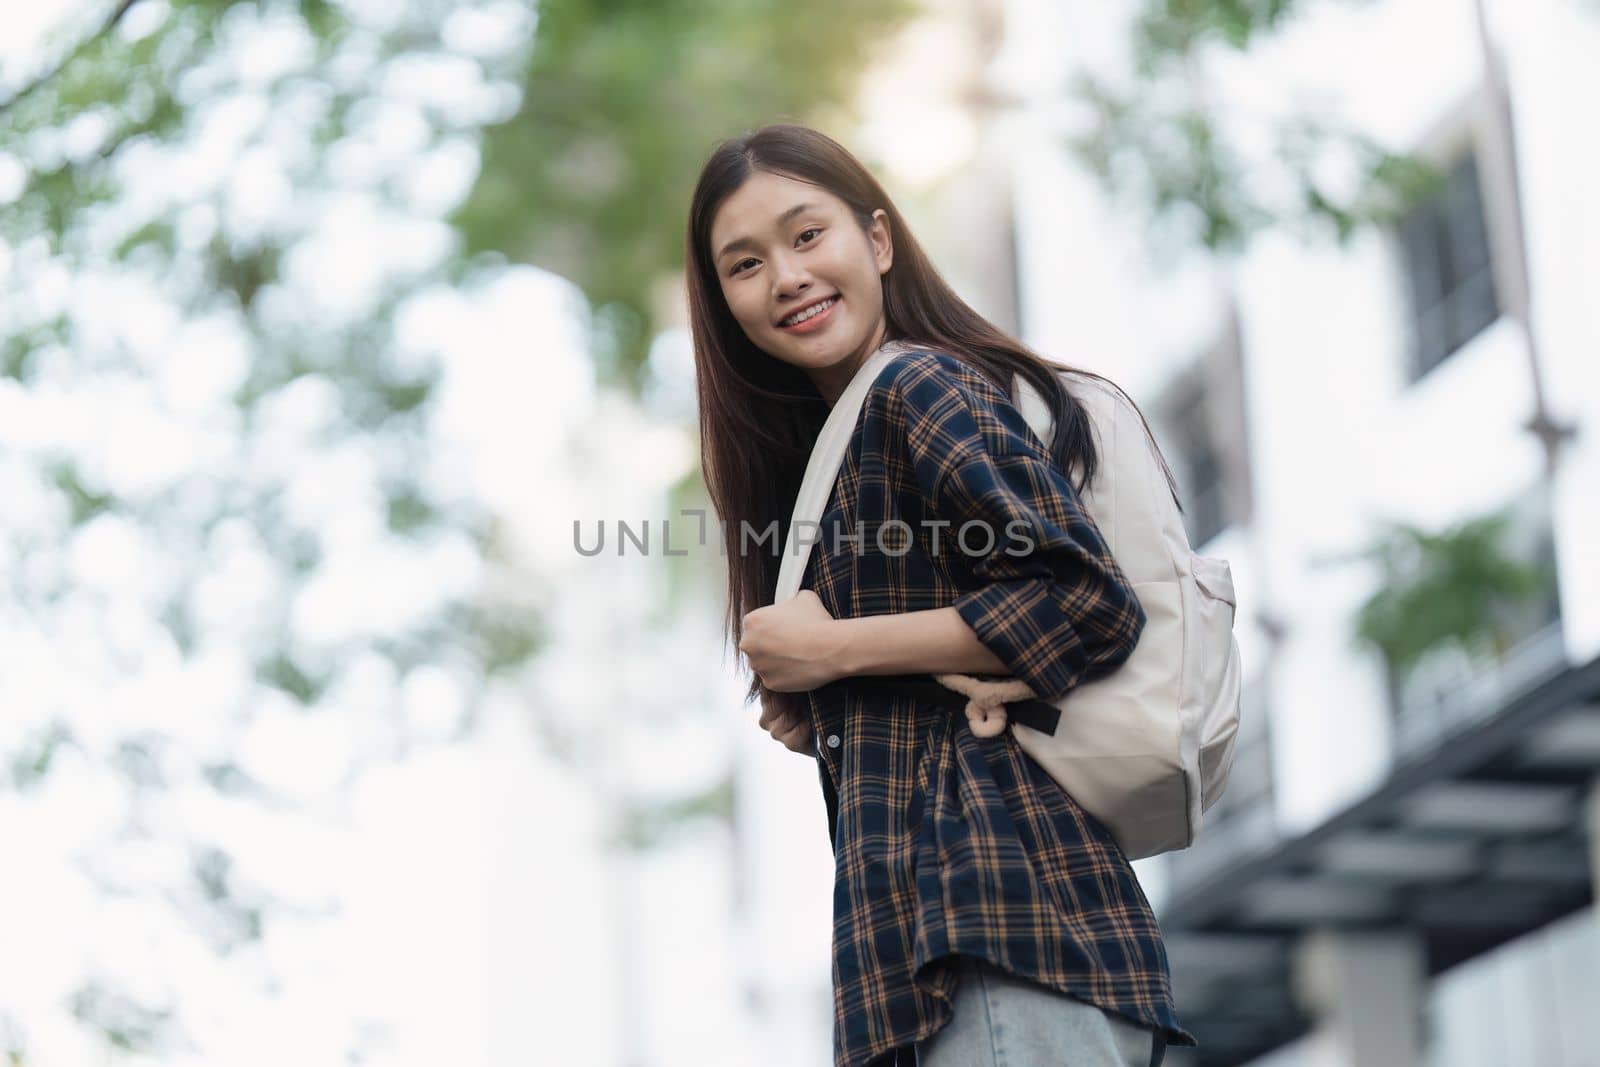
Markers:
{"x": 882, "y": 240}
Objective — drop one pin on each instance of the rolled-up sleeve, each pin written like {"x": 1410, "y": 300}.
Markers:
{"x": 1052, "y": 604}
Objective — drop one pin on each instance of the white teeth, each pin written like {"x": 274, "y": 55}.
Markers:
{"x": 815, "y": 309}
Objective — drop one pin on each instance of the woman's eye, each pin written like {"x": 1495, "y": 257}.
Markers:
{"x": 737, "y": 267}
{"x": 810, "y": 229}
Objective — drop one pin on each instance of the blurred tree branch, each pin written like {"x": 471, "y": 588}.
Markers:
{"x": 110, "y": 23}
{"x": 129, "y": 199}
{"x": 159, "y": 171}
{"x": 622, "y": 101}
{"x": 1164, "y": 145}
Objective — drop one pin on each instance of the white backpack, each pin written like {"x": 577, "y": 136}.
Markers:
{"x": 1146, "y": 749}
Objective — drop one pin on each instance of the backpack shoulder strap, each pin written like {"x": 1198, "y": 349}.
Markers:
{"x": 822, "y": 469}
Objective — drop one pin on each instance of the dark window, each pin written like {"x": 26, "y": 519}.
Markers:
{"x": 1196, "y": 462}
{"x": 1446, "y": 246}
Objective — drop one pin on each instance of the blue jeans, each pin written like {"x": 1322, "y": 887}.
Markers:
{"x": 1004, "y": 1021}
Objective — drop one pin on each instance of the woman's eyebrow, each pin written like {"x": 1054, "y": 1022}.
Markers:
{"x": 746, "y": 242}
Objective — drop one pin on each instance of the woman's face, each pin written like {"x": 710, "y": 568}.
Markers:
{"x": 782, "y": 247}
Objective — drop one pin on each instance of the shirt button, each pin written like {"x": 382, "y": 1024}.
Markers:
{"x": 833, "y": 740}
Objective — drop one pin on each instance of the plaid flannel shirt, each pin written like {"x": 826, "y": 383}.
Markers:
{"x": 945, "y": 843}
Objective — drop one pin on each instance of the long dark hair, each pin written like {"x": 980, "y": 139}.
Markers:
{"x": 759, "y": 416}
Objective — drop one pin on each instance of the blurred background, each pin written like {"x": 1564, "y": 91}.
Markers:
{"x": 337, "y": 335}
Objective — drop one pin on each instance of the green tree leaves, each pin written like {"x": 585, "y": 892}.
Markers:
{"x": 1214, "y": 173}
{"x": 622, "y": 102}
{"x": 1455, "y": 585}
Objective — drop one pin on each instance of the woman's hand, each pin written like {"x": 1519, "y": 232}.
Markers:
{"x": 793, "y": 646}
{"x": 787, "y": 721}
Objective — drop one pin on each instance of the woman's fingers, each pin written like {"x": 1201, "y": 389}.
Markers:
{"x": 788, "y": 725}
{"x": 770, "y": 711}
{"x": 793, "y": 731}
{"x": 797, "y": 738}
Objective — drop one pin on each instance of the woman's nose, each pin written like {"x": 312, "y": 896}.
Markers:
{"x": 789, "y": 278}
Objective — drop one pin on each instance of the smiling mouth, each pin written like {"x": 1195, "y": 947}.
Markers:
{"x": 806, "y": 314}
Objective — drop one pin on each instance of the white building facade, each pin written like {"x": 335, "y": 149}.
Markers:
{"x": 1308, "y": 392}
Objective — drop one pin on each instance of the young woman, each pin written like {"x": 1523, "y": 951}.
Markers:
{"x": 981, "y": 917}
